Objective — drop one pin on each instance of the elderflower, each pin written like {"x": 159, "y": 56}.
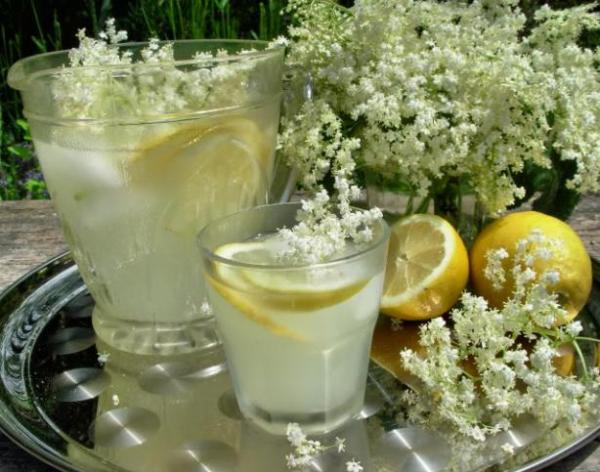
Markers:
{"x": 306, "y": 450}
{"x": 421, "y": 91}
{"x": 103, "y": 357}
{"x": 104, "y": 80}
{"x": 340, "y": 444}
{"x": 493, "y": 270}
{"x": 508, "y": 448}
{"x": 353, "y": 466}
{"x": 325, "y": 223}
{"x": 495, "y": 365}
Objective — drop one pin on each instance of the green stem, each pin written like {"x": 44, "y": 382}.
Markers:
{"x": 549, "y": 333}
{"x": 582, "y": 360}
{"x": 424, "y": 205}
{"x": 459, "y": 204}
{"x": 472, "y": 377}
{"x": 409, "y": 205}
{"x": 583, "y": 338}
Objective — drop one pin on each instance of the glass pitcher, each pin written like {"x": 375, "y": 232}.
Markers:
{"x": 139, "y": 157}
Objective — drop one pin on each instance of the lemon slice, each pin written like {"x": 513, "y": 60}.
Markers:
{"x": 206, "y": 171}
{"x": 252, "y": 310}
{"x": 427, "y": 268}
{"x": 183, "y": 150}
{"x": 289, "y": 289}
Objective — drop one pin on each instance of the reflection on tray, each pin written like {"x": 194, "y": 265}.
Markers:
{"x": 98, "y": 409}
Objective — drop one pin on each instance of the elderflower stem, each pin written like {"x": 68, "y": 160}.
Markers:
{"x": 582, "y": 359}
{"x": 471, "y": 376}
{"x": 424, "y": 205}
{"x": 548, "y": 333}
{"x": 584, "y": 338}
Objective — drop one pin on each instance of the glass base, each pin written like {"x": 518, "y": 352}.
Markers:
{"x": 156, "y": 338}
{"x": 311, "y": 423}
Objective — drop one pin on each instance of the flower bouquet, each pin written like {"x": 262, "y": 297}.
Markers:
{"x": 469, "y": 109}
{"x": 442, "y": 99}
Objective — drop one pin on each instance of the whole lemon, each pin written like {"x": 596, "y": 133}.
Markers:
{"x": 569, "y": 258}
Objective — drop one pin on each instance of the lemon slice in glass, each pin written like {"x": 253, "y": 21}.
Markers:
{"x": 251, "y": 308}
{"x": 427, "y": 268}
{"x": 290, "y": 289}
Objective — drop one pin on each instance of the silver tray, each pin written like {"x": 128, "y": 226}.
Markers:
{"x": 64, "y": 405}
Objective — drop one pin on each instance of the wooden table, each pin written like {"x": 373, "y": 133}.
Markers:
{"x": 30, "y": 234}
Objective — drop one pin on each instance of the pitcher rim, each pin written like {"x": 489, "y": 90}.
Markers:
{"x": 20, "y": 82}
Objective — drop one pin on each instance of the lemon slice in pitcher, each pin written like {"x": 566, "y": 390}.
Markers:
{"x": 206, "y": 171}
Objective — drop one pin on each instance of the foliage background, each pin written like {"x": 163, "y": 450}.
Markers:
{"x": 34, "y": 26}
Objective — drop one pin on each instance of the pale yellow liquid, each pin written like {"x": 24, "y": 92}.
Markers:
{"x": 132, "y": 199}
{"x": 299, "y": 358}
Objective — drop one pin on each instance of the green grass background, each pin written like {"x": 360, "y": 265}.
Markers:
{"x": 33, "y": 26}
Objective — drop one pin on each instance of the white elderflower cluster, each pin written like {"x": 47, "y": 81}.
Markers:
{"x": 307, "y": 450}
{"x": 326, "y": 222}
{"x": 419, "y": 91}
{"x": 105, "y": 81}
{"x": 103, "y": 358}
{"x": 493, "y": 270}
{"x": 495, "y": 365}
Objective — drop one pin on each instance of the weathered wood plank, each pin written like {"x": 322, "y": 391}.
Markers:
{"x": 586, "y": 221}
{"x": 29, "y": 235}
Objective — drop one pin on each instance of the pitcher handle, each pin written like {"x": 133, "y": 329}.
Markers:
{"x": 297, "y": 89}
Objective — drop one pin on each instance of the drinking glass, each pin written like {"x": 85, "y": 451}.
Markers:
{"x": 132, "y": 190}
{"x": 296, "y": 337}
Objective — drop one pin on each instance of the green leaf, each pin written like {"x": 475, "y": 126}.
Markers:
{"x": 556, "y": 199}
{"x": 533, "y": 179}
{"x": 40, "y": 44}
{"x": 221, "y": 4}
{"x": 36, "y": 189}
{"x": 21, "y": 152}
{"x": 24, "y": 126}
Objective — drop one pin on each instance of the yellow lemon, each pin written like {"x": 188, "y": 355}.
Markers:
{"x": 427, "y": 268}
{"x": 389, "y": 341}
{"x": 564, "y": 362}
{"x": 570, "y": 258}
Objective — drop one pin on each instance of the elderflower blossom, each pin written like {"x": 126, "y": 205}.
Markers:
{"x": 354, "y": 466}
{"x": 495, "y": 365}
{"x": 508, "y": 448}
{"x": 419, "y": 91}
{"x": 493, "y": 270}
{"x": 106, "y": 81}
{"x": 325, "y": 223}
{"x": 103, "y": 357}
{"x": 307, "y": 450}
